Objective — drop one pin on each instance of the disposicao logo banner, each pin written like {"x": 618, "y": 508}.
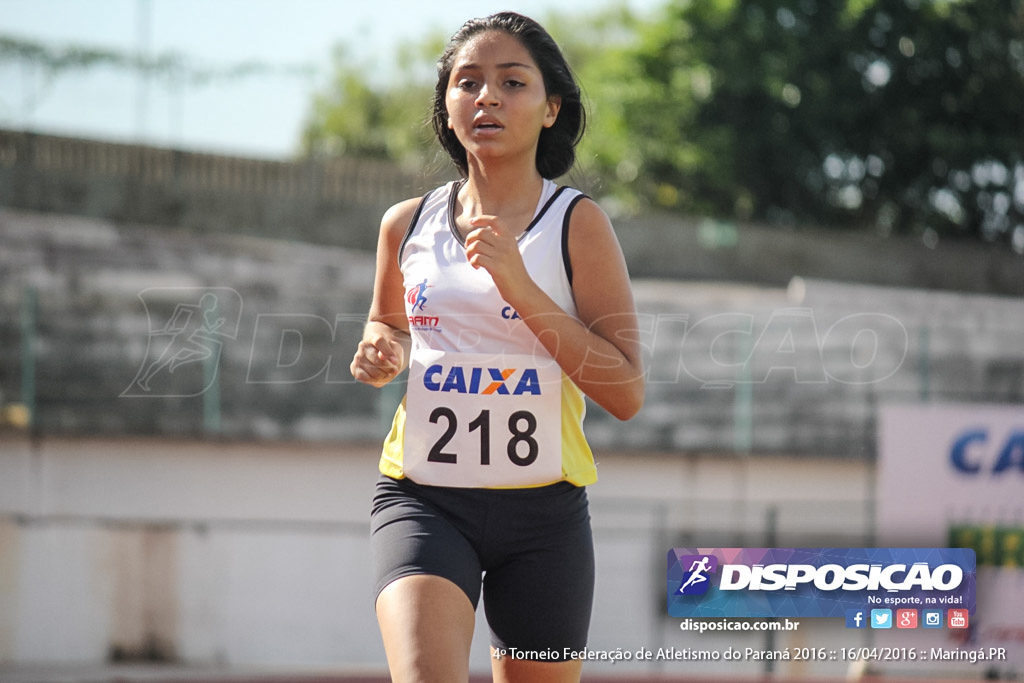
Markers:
{"x": 817, "y": 582}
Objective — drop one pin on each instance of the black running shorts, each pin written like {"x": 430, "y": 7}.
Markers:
{"x": 531, "y": 550}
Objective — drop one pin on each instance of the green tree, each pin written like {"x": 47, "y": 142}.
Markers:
{"x": 371, "y": 110}
{"x": 902, "y": 115}
{"x": 365, "y": 112}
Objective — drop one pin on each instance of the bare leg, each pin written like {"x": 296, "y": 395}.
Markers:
{"x": 427, "y": 625}
{"x": 508, "y": 670}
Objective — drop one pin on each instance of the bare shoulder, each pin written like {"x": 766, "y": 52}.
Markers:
{"x": 397, "y": 218}
{"x": 588, "y": 216}
{"x": 591, "y": 235}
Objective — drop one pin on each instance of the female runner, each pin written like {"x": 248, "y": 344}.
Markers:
{"x": 508, "y": 299}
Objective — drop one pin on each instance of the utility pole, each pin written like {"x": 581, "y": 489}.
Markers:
{"x": 144, "y": 38}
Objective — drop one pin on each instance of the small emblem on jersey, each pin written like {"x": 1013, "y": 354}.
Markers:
{"x": 416, "y": 297}
{"x": 509, "y": 313}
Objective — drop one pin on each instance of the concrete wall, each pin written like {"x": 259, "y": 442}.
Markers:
{"x": 255, "y": 554}
{"x": 663, "y": 245}
{"x": 336, "y": 202}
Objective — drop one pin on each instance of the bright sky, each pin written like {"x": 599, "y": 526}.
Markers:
{"x": 255, "y": 116}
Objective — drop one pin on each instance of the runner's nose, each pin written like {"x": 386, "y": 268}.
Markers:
{"x": 487, "y": 97}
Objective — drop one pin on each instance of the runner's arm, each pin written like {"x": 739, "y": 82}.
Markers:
{"x": 383, "y": 351}
{"x": 601, "y": 351}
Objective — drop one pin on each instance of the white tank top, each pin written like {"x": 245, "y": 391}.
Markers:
{"x": 455, "y": 308}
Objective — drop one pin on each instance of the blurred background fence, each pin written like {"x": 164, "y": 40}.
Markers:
{"x": 200, "y": 192}
{"x": 103, "y": 242}
{"x": 339, "y": 202}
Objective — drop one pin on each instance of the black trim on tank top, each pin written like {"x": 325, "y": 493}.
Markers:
{"x": 565, "y": 235}
{"x": 452, "y": 199}
{"x": 412, "y": 224}
{"x": 544, "y": 209}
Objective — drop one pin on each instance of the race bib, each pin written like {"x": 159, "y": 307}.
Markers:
{"x": 483, "y": 421}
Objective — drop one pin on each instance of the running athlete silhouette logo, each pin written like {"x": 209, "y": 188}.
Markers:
{"x": 193, "y": 333}
{"x": 696, "y": 581}
{"x": 417, "y": 296}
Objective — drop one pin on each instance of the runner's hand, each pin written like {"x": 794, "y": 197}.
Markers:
{"x": 378, "y": 360}
{"x": 492, "y": 247}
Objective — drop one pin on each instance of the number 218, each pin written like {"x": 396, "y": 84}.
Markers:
{"x": 482, "y": 424}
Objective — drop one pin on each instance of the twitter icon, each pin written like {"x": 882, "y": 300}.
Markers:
{"x": 881, "y": 618}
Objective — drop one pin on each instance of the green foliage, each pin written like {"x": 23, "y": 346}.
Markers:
{"x": 363, "y": 114}
{"x": 902, "y": 115}
{"x": 369, "y": 110}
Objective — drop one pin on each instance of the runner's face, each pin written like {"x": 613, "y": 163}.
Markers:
{"x": 496, "y": 101}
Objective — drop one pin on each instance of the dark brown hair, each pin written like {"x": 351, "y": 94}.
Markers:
{"x": 556, "y": 149}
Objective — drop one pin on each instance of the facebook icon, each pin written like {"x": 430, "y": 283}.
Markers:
{"x": 855, "y": 618}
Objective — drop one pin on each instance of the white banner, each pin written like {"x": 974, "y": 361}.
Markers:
{"x": 953, "y": 476}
